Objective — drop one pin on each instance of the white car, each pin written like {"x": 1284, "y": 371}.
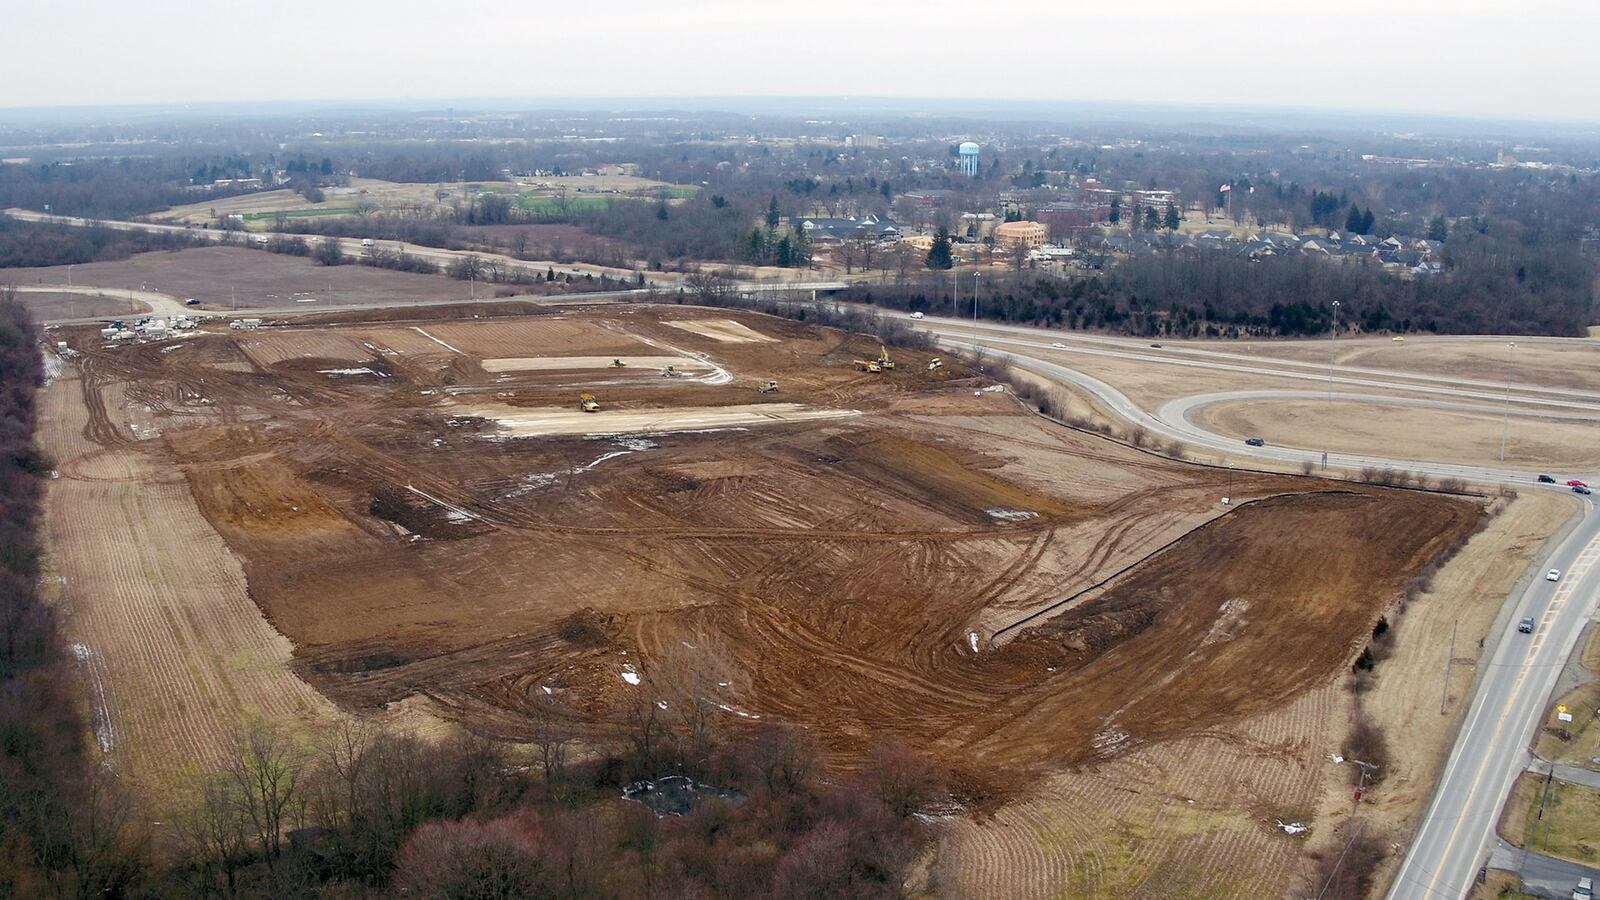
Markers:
{"x": 916, "y": 315}
{"x": 1059, "y": 346}
{"x": 1553, "y": 575}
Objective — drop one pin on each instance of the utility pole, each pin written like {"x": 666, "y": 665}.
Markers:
{"x": 1505, "y": 418}
{"x": 1445, "y": 698}
{"x": 1333, "y": 342}
{"x": 975, "y": 309}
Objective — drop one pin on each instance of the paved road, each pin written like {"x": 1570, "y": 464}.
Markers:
{"x": 1542, "y": 876}
{"x": 1515, "y": 682}
{"x": 1568, "y": 773}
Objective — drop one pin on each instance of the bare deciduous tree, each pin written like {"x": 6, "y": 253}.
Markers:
{"x": 265, "y": 771}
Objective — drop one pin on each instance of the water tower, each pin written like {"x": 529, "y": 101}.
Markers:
{"x": 968, "y": 154}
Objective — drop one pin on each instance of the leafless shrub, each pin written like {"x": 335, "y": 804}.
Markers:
{"x": 1452, "y": 485}
{"x": 1366, "y": 745}
{"x": 1344, "y": 871}
{"x": 901, "y": 778}
{"x": 1307, "y": 467}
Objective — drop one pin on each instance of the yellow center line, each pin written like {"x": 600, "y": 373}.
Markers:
{"x": 1580, "y": 567}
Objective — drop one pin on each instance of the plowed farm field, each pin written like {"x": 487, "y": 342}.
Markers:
{"x": 1066, "y": 622}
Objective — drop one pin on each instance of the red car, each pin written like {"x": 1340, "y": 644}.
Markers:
{"x": 1576, "y": 483}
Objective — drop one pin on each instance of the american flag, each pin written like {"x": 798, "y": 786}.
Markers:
{"x": 1224, "y": 189}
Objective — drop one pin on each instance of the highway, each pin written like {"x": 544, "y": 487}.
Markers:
{"x": 1515, "y": 682}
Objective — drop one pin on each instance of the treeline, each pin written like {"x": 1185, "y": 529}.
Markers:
{"x": 110, "y": 188}
{"x": 1209, "y": 294}
{"x": 61, "y": 819}
{"x": 27, "y": 244}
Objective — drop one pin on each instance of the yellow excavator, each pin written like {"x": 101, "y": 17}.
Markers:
{"x": 587, "y": 403}
{"x": 868, "y": 365}
{"x": 884, "y": 362}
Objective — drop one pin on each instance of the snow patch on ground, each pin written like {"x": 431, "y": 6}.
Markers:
{"x": 1002, "y": 514}
{"x": 738, "y": 712}
{"x": 536, "y": 480}
{"x": 105, "y": 733}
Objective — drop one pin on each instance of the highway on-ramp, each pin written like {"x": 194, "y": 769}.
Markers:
{"x": 1491, "y": 749}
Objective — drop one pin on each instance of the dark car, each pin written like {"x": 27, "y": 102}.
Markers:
{"x": 1526, "y": 625}
{"x": 1157, "y": 346}
{"x": 1255, "y": 442}
{"x": 1546, "y": 479}
{"x": 1581, "y": 489}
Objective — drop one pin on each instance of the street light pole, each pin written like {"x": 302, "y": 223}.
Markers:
{"x": 1505, "y": 418}
{"x": 975, "y": 276}
{"x": 1332, "y": 344}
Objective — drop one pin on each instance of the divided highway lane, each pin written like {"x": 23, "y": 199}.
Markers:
{"x": 1178, "y": 428}
{"x": 1492, "y": 748}
{"x": 1516, "y": 681}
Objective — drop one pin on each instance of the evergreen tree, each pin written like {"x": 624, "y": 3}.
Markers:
{"x": 772, "y": 213}
{"x": 1116, "y": 210}
{"x": 1172, "y": 217}
{"x": 1352, "y": 222}
{"x": 784, "y": 254}
{"x": 1438, "y": 229}
{"x": 755, "y": 247}
{"x": 800, "y": 249}
{"x": 1152, "y": 219}
{"x": 939, "y": 256}
{"x": 1366, "y": 221}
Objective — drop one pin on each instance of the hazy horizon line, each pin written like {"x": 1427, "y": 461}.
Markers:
{"x": 780, "y": 105}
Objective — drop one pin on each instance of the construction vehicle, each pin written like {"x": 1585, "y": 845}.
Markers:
{"x": 770, "y": 387}
{"x": 587, "y": 403}
{"x": 617, "y": 364}
{"x": 670, "y": 372}
{"x": 869, "y": 365}
{"x": 884, "y": 362}
{"x": 935, "y": 363}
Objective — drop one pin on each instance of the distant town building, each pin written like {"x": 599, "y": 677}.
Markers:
{"x": 968, "y": 155}
{"x": 1011, "y": 235}
{"x": 869, "y": 227}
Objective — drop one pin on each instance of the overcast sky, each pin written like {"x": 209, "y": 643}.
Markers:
{"x": 1527, "y": 59}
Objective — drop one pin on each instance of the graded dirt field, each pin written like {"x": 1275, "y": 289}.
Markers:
{"x": 1203, "y": 812}
{"x": 884, "y": 554}
{"x": 220, "y": 276}
{"x": 1561, "y": 440}
{"x": 1081, "y": 631}
{"x": 175, "y": 655}
{"x": 71, "y": 305}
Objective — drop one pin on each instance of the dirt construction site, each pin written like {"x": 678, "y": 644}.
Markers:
{"x": 412, "y": 509}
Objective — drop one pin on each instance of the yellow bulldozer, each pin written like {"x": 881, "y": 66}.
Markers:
{"x": 884, "y": 362}
{"x": 587, "y": 403}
